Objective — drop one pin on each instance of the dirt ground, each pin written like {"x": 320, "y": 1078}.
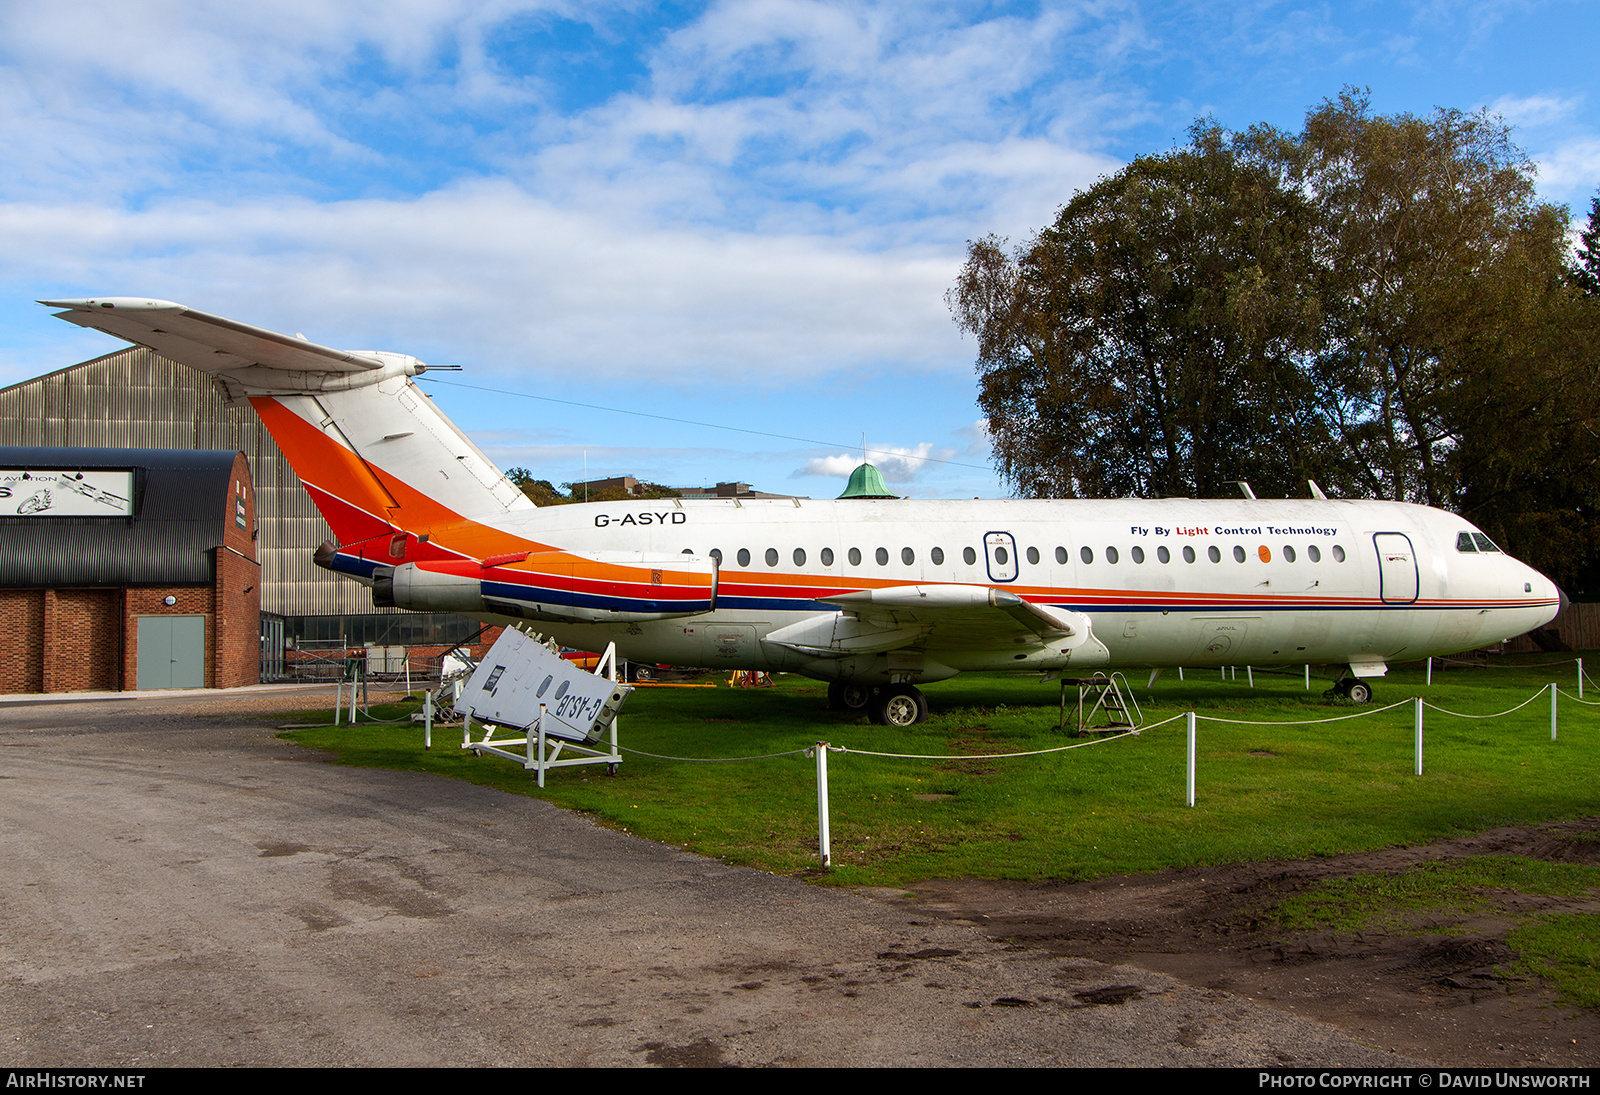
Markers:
{"x": 1446, "y": 998}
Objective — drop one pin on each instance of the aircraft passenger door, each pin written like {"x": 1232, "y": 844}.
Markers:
{"x": 1397, "y": 568}
{"x": 1000, "y": 552}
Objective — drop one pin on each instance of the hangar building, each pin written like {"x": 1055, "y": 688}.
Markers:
{"x": 135, "y": 398}
{"x": 127, "y": 568}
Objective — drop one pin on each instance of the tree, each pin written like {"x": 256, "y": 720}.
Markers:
{"x": 1147, "y": 341}
{"x": 1378, "y": 303}
{"x": 1422, "y": 224}
{"x": 1586, "y": 274}
{"x": 544, "y": 493}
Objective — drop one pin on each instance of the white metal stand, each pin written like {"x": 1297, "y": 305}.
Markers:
{"x": 1113, "y": 699}
{"x": 541, "y": 753}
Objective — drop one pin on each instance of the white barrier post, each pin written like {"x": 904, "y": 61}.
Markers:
{"x": 1250, "y": 671}
{"x": 1430, "y": 672}
{"x": 427, "y": 721}
{"x": 1580, "y": 678}
{"x": 1190, "y": 788}
{"x": 338, "y": 702}
{"x": 1308, "y": 676}
{"x": 824, "y": 838}
{"x": 541, "y": 745}
{"x": 1419, "y": 735}
{"x": 1552, "y": 710}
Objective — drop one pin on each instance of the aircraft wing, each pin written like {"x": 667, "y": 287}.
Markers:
{"x": 932, "y": 617}
{"x": 204, "y": 341}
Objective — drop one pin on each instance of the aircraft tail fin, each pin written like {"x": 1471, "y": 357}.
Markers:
{"x": 394, "y": 478}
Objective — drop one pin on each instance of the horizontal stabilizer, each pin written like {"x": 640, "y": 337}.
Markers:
{"x": 206, "y": 342}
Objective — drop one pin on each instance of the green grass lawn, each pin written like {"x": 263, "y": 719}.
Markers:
{"x": 1264, "y": 792}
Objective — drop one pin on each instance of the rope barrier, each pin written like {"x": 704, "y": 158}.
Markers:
{"x": 1490, "y": 665}
{"x": 1575, "y": 699}
{"x": 715, "y": 760}
{"x": 1302, "y": 722}
{"x": 1462, "y": 715}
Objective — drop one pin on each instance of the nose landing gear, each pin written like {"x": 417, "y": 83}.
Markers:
{"x": 1353, "y": 689}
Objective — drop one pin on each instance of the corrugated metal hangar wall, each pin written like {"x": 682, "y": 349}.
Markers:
{"x": 136, "y": 399}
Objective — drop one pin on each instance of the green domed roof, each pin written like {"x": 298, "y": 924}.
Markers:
{"x": 867, "y": 482}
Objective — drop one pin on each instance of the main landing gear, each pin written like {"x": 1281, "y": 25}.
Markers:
{"x": 1353, "y": 689}
{"x": 888, "y": 705}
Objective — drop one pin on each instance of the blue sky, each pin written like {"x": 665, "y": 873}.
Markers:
{"x": 743, "y": 213}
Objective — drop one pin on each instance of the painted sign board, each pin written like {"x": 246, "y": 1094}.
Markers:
{"x": 37, "y": 492}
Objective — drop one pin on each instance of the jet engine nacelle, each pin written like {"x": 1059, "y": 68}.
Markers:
{"x": 555, "y": 586}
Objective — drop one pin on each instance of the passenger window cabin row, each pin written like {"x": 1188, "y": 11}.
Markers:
{"x": 1111, "y": 555}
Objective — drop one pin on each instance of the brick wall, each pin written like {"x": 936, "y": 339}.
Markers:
{"x": 21, "y": 640}
{"x": 234, "y": 657}
{"x": 85, "y": 640}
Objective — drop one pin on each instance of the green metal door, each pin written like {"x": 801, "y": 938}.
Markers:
{"x": 172, "y": 652}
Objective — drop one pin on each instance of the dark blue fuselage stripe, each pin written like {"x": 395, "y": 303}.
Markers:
{"x": 349, "y": 564}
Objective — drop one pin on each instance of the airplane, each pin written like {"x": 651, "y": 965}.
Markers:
{"x": 872, "y": 595}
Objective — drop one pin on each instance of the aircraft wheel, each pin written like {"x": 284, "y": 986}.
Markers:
{"x": 900, "y": 706}
{"x": 849, "y": 697}
{"x": 1353, "y": 689}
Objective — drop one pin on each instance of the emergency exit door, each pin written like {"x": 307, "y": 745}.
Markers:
{"x": 1397, "y": 568}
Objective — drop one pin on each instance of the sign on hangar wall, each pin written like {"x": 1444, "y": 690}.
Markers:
{"x": 40, "y": 492}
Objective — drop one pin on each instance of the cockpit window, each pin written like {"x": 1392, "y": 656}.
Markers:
{"x": 1464, "y": 543}
{"x": 1484, "y": 543}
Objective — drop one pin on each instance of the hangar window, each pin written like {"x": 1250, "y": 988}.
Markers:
{"x": 1484, "y": 543}
{"x": 1288, "y": 553}
{"x": 1086, "y": 553}
{"x": 907, "y": 556}
{"x": 1238, "y": 554}
{"x": 799, "y": 557}
{"x": 1214, "y": 553}
{"x": 1138, "y": 554}
{"x": 1111, "y": 555}
{"x": 969, "y": 556}
{"x": 937, "y": 555}
{"x": 716, "y": 553}
{"x": 1338, "y": 553}
{"x": 1061, "y": 556}
{"x": 1163, "y": 554}
{"x": 1314, "y": 553}
{"x": 744, "y": 557}
{"x": 882, "y": 555}
{"x": 1033, "y": 556}
{"x": 1188, "y": 554}
{"x": 855, "y": 557}
{"x": 772, "y": 557}
{"x": 827, "y": 557}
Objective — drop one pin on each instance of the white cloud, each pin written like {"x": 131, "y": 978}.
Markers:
{"x": 1535, "y": 109}
{"x": 504, "y": 281}
{"x": 1570, "y": 171}
{"x": 898, "y": 465}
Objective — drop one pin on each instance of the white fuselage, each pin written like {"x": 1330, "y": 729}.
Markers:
{"x": 1311, "y": 586}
